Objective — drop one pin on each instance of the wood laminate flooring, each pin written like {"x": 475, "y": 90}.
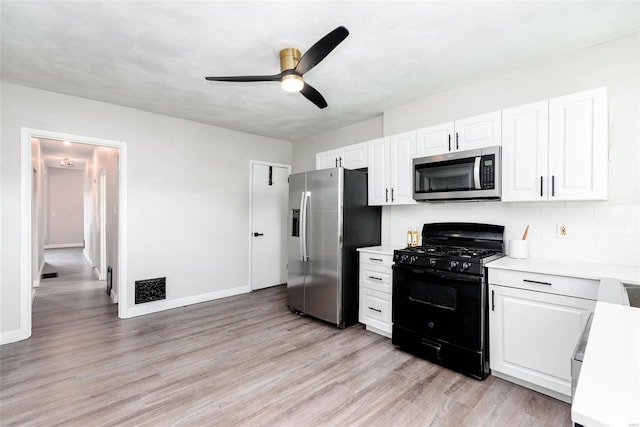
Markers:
{"x": 239, "y": 361}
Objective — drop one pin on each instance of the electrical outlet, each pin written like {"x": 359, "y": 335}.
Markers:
{"x": 562, "y": 231}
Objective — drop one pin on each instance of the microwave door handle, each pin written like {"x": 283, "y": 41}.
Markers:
{"x": 476, "y": 173}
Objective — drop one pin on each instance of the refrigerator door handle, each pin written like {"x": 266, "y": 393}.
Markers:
{"x": 304, "y": 197}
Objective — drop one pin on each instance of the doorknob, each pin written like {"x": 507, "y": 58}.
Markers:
{"x": 258, "y": 234}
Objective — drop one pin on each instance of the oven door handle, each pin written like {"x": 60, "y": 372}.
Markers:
{"x": 439, "y": 273}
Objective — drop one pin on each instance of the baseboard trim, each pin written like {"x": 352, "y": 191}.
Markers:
{"x": 534, "y": 387}
{"x": 114, "y": 296}
{"x": 86, "y": 256}
{"x": 11, "y": 336}
{"x": 156, "y": 306}
{"x": 36, "y": 282}
{"x": 64, "y": 245}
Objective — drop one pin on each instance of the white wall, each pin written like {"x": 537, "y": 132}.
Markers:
{"x": 65, "y": 207}
{"x": 599, "y": 231}
{"x": 188, "y": 193}
{"x": 304, "y": 153}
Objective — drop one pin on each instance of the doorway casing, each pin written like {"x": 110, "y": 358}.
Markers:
{"x": 26, "y": 244}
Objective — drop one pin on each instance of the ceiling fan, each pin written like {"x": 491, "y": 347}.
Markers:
{"x": 293, "y": 66}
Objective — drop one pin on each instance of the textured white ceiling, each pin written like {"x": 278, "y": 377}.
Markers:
{"x": 154, "y": 55}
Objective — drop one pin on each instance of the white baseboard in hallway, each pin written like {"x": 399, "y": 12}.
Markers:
{"x": 64, "y": 245}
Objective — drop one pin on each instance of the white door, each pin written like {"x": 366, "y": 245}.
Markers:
{"x": 435, "y": 140}
{"x": 478, "y": 132}
{"x": 578, "y": 146}
{"x": 402, "y": 150}
{"x": 269, "y": 200}
{"x": 379, "y": 174}
{"x": 327, "y": 159}
{"x": 533, "y": 334}
{"x": 524, "y": 152}
{"x": 354, "y": 156}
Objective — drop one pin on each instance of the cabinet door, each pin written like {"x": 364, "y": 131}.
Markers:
{"x": 354, "y": 156}
{"x": 402, "y": 149}
{"x": 379, "y": 174}
{"x": 434, "y": 140}
{"x": 578, "y": 146}
{"x": 327, "y": 159}
{"x": 532, "y": 335}
{"x": 478, "y": 132}
{"x": 524, "y": 152}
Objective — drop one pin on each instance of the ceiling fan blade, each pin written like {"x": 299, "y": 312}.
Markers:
{"x": 321, "y": 49}
{"x": 272, "y": 78}
{"x": 313, "y": 95}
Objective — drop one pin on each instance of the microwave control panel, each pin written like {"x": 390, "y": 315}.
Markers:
{"x": 488, "y": 172}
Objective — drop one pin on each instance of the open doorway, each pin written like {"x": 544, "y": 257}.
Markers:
{"x": 75, "y": 212}
{"x": 76, "y": 193}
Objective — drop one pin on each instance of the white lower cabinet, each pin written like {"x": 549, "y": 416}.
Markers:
{"x": 533, "y": 330}
{"x": 375, "y": 311}
{"x": 375, "y": 280}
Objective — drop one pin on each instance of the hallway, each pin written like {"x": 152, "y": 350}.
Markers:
{"x": 75, "y": 294}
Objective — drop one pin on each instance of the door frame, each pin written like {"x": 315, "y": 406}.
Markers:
{"x": 26, "y": 246}
{"x": 251, "y": 165}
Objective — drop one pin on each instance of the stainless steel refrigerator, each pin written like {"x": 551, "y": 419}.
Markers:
{"x": 328, "y": 220}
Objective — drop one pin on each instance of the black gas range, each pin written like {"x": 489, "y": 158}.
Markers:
{"x": 447, "y": 258}
{"x": 439, "y": 307}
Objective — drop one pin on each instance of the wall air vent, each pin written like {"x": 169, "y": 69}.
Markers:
{"x": 151, "y": 290}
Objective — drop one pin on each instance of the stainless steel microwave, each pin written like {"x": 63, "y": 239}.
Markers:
{"x": 462, "y": 175}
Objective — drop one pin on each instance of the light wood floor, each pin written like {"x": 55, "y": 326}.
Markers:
{"x": 244, "y": 360}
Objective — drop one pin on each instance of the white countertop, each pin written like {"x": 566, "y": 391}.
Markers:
{"x": 608, "y": 392}
{"x": 383, "y": 250}
{"x": 583, "y": 270}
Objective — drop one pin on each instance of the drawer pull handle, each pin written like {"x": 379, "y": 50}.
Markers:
{"x": 536, "y": 282}
{"x": 375, "y": 259}
{"x": 375, "y": 309}
{"x": 375, "y": 278}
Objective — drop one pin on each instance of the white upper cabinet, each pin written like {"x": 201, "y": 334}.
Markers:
{"x": 434, "y": 140}
{"x": 579, "y": 146}
{"x": 525, "y": 140}
{"x": 379, "y": 175}
{"x": 466, "y": 134}
{"x": 556, "y": 149}
{"x": 402, "y": 150}
{"x": 480, "y": 131}
{"x": 391, "y": 169}
{"x": 350, "y": 157}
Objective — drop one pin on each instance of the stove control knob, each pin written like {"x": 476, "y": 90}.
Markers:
{"x": 413, "y": 259}
{"x": 453, "y": 265}
{"x": 465, "y": 266}
{"x": 432, "y": 262}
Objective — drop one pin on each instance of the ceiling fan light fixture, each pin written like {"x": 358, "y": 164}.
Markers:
{"x": 292, "y": 83}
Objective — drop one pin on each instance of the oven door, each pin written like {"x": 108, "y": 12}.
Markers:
{"x": 445, "y": 306}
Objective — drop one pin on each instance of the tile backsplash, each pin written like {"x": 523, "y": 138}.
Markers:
{"x": 596, "y": 231}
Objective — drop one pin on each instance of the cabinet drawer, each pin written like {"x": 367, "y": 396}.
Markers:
{"x": 376, "y": 259}
{"x": 375, "y": 309}
{"x": 560, "y": 285}
{"x": 375, "y": 277}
